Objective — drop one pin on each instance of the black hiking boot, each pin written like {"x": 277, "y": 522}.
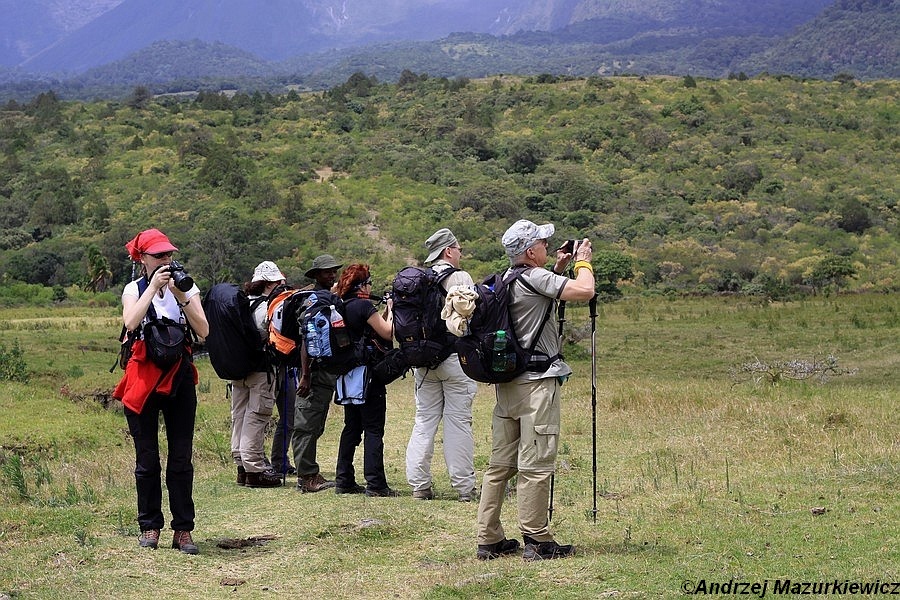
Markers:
{"x": 498, "y": 549}
{"x": 535, "y": 550}
{"x": 265, "y": 479}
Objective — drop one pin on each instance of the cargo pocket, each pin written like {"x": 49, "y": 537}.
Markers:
{"x": 545, "y": 439}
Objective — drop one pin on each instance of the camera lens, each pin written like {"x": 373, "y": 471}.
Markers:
{"x": 183, "y": 281}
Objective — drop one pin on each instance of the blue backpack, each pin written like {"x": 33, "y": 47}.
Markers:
{"x": 327, "y": 337}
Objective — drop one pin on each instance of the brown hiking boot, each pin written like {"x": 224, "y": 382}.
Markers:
{"x": 426, "y": 494}
{"x": 149, "y": 539}
{"x": 309, "y": 484}
{"x": 182, "y": 541}
{"x": 241, "y": 475}
{"x": 264, "y": 479}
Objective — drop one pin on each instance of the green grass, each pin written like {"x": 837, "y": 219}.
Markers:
{"x": 699, "y": 476}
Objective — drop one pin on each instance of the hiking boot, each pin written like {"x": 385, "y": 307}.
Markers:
{"x": 466, "y": 496}
{"x": 182, "y": 541}
{"x": 426, "y": 494}
{"x": 353, "y": 489}
{"x": 149, "y": 539}
{"x": 498, "y": 549}
{"x": 382, "y": 493}
{"x": 241, "y": 475}
{"x": 264, "y": 479}
{"x": 310, "y": 484}
{"x": 545, "y": 550}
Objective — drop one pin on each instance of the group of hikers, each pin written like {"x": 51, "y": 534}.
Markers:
{"x": 163, "y": 306}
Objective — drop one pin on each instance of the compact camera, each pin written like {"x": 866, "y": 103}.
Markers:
{"x": 570, "y": 246}
{"x": 183, "y": 281}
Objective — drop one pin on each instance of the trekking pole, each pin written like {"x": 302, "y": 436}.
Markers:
{"x": 593, "y": 310}
{"x": 561, "y": 318}
{"x": 284, "y": 427}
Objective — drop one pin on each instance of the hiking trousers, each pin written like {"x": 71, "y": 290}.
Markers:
{"x": 309, "y": 421}
{"x": 364, "y": 423}
{"x": 285, "y": 405}
{"x": 525, "y": 432}
{"x": 252, "y": 399}
{"x": 178, "y": 412}
{"x": 443, "y": 394}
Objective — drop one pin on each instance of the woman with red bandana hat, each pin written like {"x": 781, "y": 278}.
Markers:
{"x": 147, "y": 390}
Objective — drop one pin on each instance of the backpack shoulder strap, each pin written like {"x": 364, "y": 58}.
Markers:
{"x": 142, "y": 285}
{"x": 256, "y": 302}
{"x": 441, "y": 277}
{"x": 190, "y": 334}
{"x": 516, "y": 276}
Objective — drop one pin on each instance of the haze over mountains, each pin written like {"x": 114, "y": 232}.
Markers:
{"x": 123, "y": 40}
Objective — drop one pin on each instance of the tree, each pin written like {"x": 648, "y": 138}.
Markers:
{"x": 524, "y": 156}
{"x": 610, "y": 267}
{"x": 99, "y": 273}
{"x": 832, "y": 271}
{"x": 140, "y": 97}
{"x": 854, "y": 217}
{"x": 742, "y": 177}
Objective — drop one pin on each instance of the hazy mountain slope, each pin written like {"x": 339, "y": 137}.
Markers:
{"x": 24, "y": 28}
{"x": 208, "y": 61}
{"x": 135, "y": 24}
{"x": 277, "y": 29}
{"x": 857, "y": 36}
{"x": 773, "y": 15}
{"x": 28, "y": 26}
{"x": 274, "y": 29}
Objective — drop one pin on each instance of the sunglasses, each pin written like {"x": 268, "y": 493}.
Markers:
{"x": 159, "y": 255}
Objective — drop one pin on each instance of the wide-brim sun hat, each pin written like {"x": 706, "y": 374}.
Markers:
{"x": 267, "y": 271}
{"x": 321, "y": 263}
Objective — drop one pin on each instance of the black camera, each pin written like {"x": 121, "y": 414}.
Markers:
{"x": 183, "y": 281}
{"x": 570, "y": 246}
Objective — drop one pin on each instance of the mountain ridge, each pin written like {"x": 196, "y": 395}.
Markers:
{"x": 848, "y": 37}
{"x": 278, "y": 29}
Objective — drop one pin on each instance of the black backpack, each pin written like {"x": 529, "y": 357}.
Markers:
{"x": 234, "y": 343}
{"x": 420, "y": 331}
{"x": 478, "y": 356}
{"x": 326, "y": 335}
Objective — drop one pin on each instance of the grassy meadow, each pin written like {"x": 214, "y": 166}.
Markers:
{"x": 704, "y": 471}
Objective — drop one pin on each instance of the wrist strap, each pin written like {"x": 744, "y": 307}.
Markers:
{"x": 583, "y": 264}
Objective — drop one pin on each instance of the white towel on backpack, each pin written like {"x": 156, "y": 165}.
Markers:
{"x": 458, "y": 307}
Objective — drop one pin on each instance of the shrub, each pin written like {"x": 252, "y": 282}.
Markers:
{"x": 12, "y": 364}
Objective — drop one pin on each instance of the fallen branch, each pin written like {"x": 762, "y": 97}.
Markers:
{"x": 780, "y": 370}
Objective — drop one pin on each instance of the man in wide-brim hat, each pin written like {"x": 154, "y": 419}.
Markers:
{"x": 313, "y": 396}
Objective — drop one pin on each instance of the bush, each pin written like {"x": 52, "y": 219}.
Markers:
{"x": 12, "y": 364}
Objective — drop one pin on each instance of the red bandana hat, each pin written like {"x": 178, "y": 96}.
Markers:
{"x": 151, "y": 241}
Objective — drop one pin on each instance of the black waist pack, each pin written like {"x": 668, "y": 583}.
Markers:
{"x": 391, "y": 367}
{"x": 165, "y": 341}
